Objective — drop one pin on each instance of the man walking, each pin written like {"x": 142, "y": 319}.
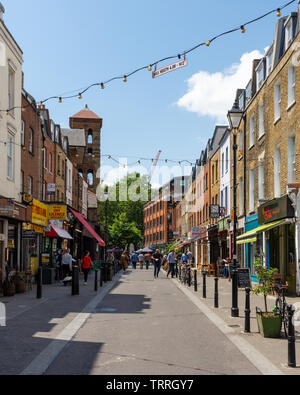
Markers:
{"x": 134, "y": 259}
{"x": 141, "y": 261}
{"x": 157, "y": 259}
{"x": 172, "y": 257}
{"x": 67, "y": 262}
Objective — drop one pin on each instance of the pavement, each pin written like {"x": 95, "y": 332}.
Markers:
{"x": 135, "y": 325}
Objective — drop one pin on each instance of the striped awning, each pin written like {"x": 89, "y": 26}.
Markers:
{"x": 251, "y": 236}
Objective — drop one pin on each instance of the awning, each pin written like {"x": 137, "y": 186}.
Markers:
{"x": 247, "y": 241}
{"x": 252, "y": 234}
{"x": 58, "y": 232}
{"x": 88, "y": 227}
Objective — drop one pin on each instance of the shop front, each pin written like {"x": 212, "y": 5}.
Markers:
{"x": 213, "y": 233}
{"x": 223, "y": 239}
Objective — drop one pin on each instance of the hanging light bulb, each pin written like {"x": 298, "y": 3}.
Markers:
{"x": 40, "y": 104}
{"x": 102, "y": 85}
{"x": 7, "y": 112}
{"x": 109, "y": 157}
{"x": 59, "y": 100}
{"x": 279, "y": 12}
{"x": 125, "y": 78}
{"x": 243, "y": 29}
{"x": 79, "y": 96}
{"x": 166, "y": 160}
{"x": 207, "y": 43}
{"x": 150, "y": 68}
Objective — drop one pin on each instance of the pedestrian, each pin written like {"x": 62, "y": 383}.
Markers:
{"x": 134, "y": 259}
{"x": 157, "y": 260}
{"x": 147, "y": 261}
{"x": 172, "y": 257}
{"x": 184, "y": 259}
{"x": 67, "y": 263}
{"x": 141, "y": 261}
{"x": 124, "y": 261}
{"x": 86, "y": 264}
{"x": 58, "y": 260}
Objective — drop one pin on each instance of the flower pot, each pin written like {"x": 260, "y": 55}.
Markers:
{"x": 269, "y": 324}
{"x": 20, "y": 286}
{"x": 9, "y": 289}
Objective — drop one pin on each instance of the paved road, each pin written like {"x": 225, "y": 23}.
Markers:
{"x": 147, "y": 326}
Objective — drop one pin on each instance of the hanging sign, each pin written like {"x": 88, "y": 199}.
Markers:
{"x": 169, "y": 68}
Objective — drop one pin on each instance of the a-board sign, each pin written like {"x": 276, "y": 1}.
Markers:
{"x": 244, "y": 278}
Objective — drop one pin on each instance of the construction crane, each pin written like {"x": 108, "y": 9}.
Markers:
{"x": 154, "y": 165}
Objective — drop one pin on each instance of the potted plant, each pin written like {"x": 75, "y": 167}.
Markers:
{"x": 8, "y": 286}
{"x": 269, "y": 323}
{"x": 20, "y": 282}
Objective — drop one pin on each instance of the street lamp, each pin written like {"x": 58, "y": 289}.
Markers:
{"x": 234, "y": 117}
{"x": 106, "y": 196}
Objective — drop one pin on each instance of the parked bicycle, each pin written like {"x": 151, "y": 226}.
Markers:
{"x": 281, "y": 306}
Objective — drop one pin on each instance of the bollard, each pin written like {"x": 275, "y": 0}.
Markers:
{"x": 204, "y": 274}
{"x": 105, "y": 272}
{"x": 195, "y": 281}
{"x": 176, "y": 270}
{"x": 101, "y": 277}
{"x": 216, "y": 293}
{"x": 247, "y": 311}
{"x": 96, "y": 280}
{"x": 291, "y": 339}
{"x": 189, "y": 277}
{"x": 39, "y": 283}
{"x": 75, "y": 280}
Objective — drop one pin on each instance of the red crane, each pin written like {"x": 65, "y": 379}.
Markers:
{"x": 154, "y": 165}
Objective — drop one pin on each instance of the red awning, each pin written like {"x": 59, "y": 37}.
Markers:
{"x": 57, "y": 232}
{"x": 88, "y": 227}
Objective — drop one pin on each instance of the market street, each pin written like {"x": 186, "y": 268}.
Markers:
{"x": 142, "y": 326}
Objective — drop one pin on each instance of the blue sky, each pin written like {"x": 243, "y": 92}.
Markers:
{"x": 69, "y": 44}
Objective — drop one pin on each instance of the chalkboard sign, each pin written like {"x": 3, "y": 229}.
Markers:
{"x": 244, "y": 279}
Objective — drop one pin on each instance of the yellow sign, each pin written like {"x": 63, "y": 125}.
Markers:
{"x": 58, "y": 212}
{"x": 35, "y": 228}
{"x": 39, "y": 213}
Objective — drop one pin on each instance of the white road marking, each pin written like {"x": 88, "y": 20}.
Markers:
{"x": 42, "y": 362}
{"x": 265, "y": 366}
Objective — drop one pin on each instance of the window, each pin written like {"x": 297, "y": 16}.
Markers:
{"x": 251, "y": 190}
{"x": 10, "y": 157}
{"x": 90, "y": 177}
{"x": 227, "y": 159}
{"x": 288, "y": 34}
{"x": 241, "y": 142}
{"x": 277, "y": 102}
{"x": 291, "y": 159}
{"x": 22, "y": 133}
{"x": 90, "y": 136}
{"x": 261, "y": 130}
{"x": 11, "y": 89}
{"x": 226, "y": 198}
{"x": 249, "y": 92}
{"x": 260, "y": 76}
{"x": 222, "y": 198}
{"x": 30, "y": 142}
{"x": 277, "y": 170}
{"x": 269, "y": 62}
{"x": 45, "y": 158}
{"x": 44, "y": 191}
{"x": 241, "y": 196}
{"x": 291, "y": 86}
{"x": 261, "y": 181}
{"x": 50, "y": 163}
{"x": 252, "y": 131}
{"x": 217, "y": 174}
{"x": 213, "y": 174}
{"x": 29, "y": 185}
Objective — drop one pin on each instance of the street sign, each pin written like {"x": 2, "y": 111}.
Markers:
{"x": 51, "y": 189}
{"x": 169, "y": 68}
{"x": 214, "y": 211}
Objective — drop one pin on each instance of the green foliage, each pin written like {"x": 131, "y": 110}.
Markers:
{"x": 125, "y": 210}
{"x": 266, "y": 280}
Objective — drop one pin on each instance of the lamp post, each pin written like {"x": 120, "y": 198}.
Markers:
{"x": 106, "y": 196}
{"x": 234, "y": 117}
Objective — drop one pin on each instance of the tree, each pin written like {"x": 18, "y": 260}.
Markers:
{"x": 123, "y": 232}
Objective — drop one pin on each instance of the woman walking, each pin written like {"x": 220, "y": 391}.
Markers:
{"x": 86, "y": 264}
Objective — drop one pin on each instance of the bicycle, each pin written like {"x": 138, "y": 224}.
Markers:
{"x": 281, "y": 307}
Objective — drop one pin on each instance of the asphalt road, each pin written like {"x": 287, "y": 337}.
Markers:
{"x": 148, "y": 326}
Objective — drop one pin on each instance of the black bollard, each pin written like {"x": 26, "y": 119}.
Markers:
{"x": 195, "y": 281}
{"x": 39, "y": 283}
{"x": 105, "y": 272}
{"x": 247, "y": 311}
{"x": 75, "y": 280}
{"x": 189, "y": 277}
{"x": 176, "y": 270}
{"x": 204, "y": 274}
{"x": 96, "y": 280}
{"x": 291, "y": 339}
{"x": 216, "y": 293}
{"x": 101, "y": 276}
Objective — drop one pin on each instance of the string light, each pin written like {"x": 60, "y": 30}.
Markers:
{"x": 80, "y": 96}
{"x": 149, "y": 67}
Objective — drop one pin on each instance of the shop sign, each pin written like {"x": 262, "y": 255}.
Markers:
{"x": 32, "y": 227}
{"x": 223, "y": 225}
{"x": 51, "y": 189}
{"x": 39, "y": 213}
{"x": 57, "y": 212}
{"x": 6, "y": 208}
{"x": 45, "y": 258}
{"x": 28, "y": 234}
{"x": 196, "y": 232}
{"x": 276, "y": 210}
{"x": 56, "y": 223}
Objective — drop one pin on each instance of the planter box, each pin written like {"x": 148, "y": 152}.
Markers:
{"x": 269, "y": 325}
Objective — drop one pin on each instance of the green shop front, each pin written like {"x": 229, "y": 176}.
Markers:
{"x": 274, "y": 238}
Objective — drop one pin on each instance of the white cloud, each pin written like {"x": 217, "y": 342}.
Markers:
{"x": 213, "y": 94}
